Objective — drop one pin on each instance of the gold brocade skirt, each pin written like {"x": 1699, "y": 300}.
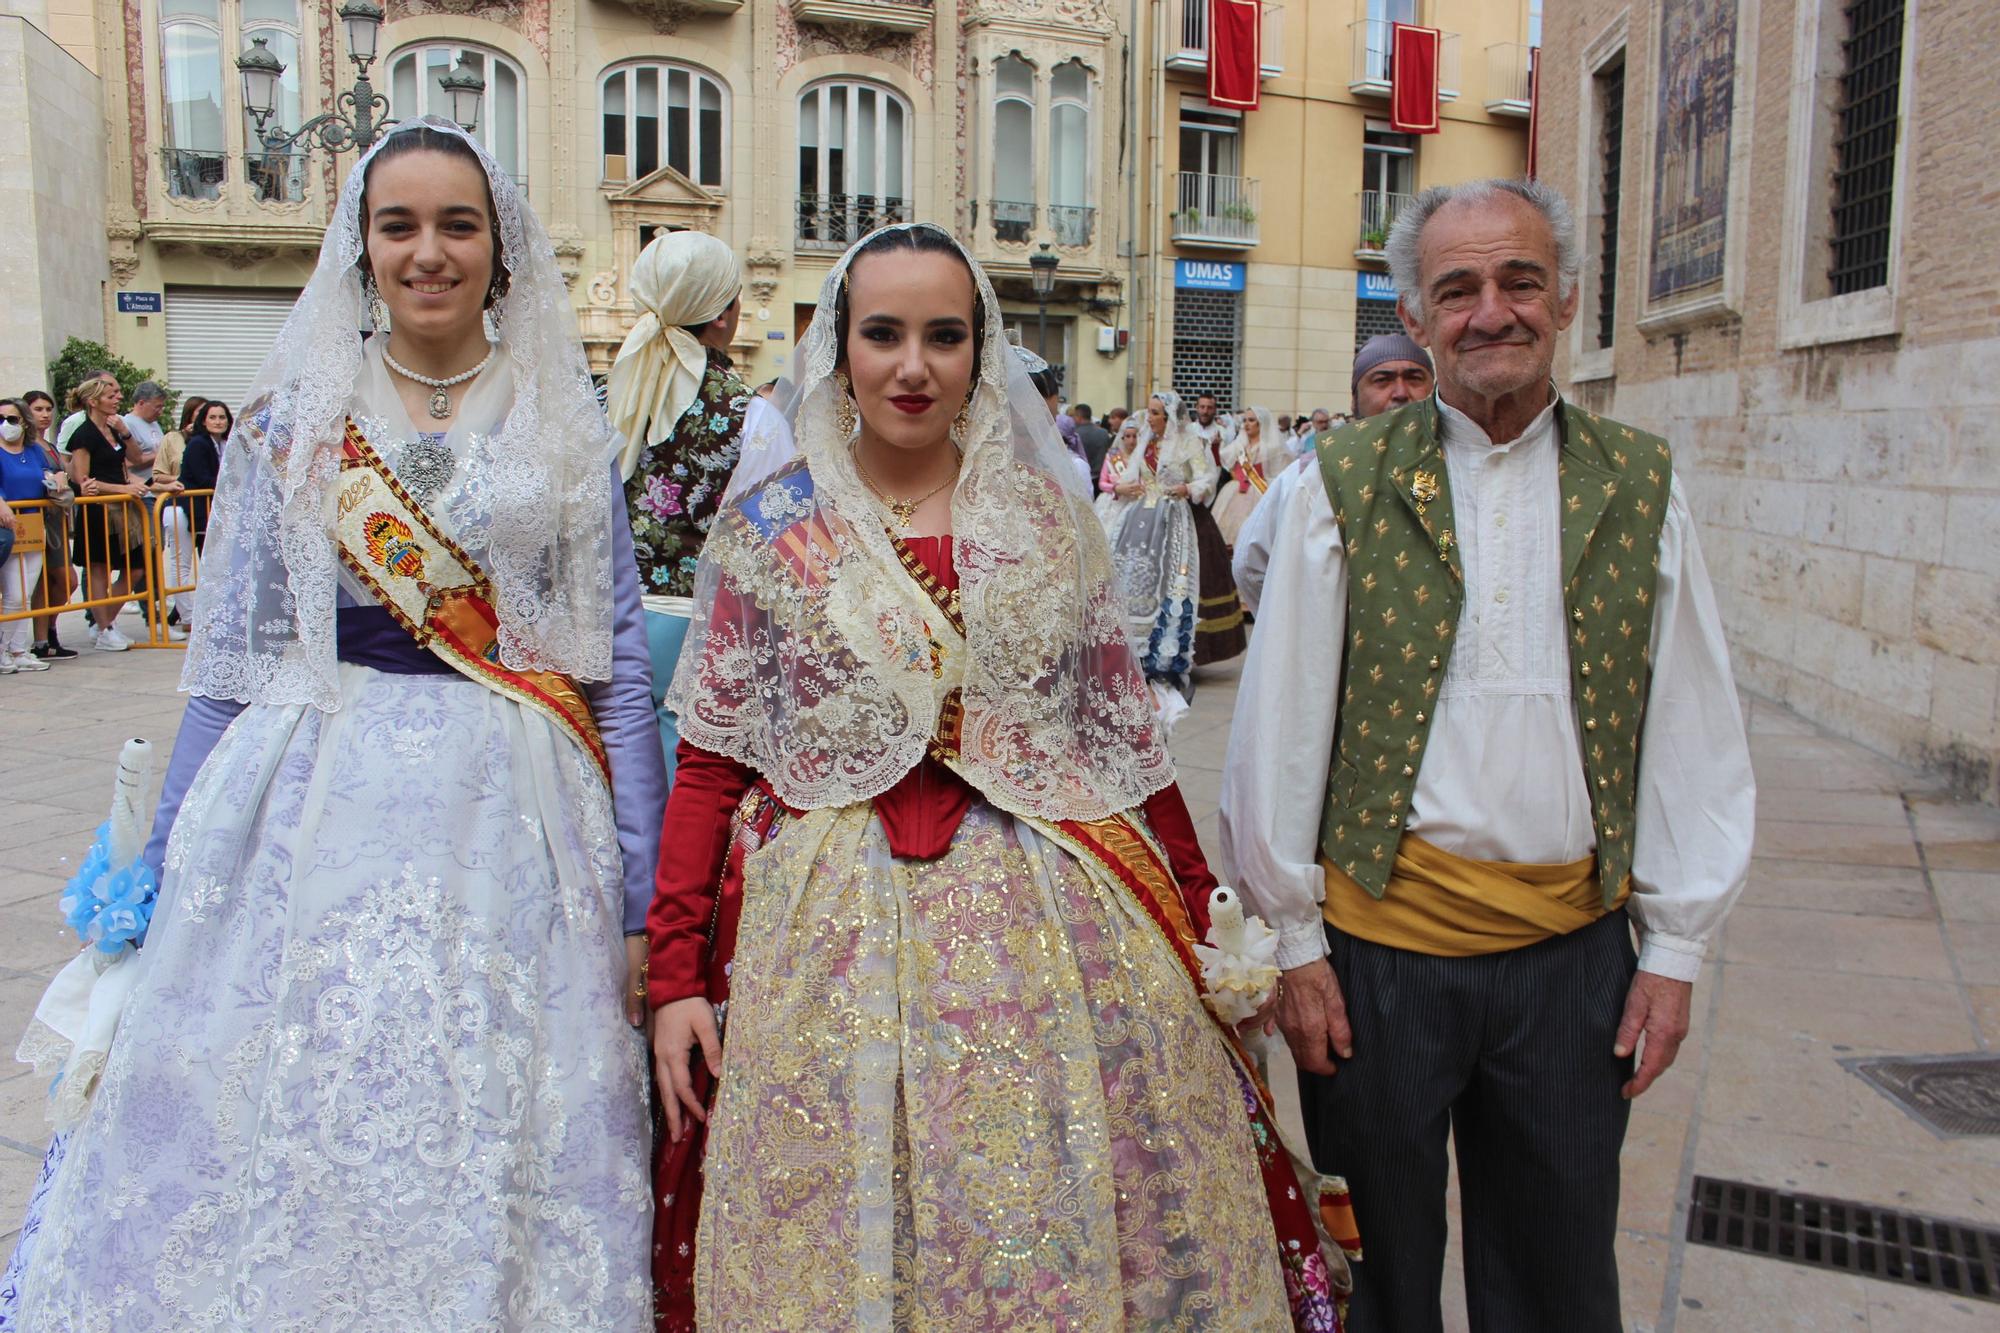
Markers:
{"x": 971, "y": 1093}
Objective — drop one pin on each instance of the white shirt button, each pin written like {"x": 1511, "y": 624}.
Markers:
{"x": 1501, "y": 597}
{"x": 1499, "y": 520}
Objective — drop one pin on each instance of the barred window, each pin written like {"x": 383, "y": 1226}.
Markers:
{"x": 1864, "y": 181}
{"x": 1610, "y": 89}
{"x": 1208, "y": 341}
{"x": 1372, "y": 319}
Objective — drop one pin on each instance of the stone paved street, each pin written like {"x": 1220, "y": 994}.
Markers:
{"x": 1871, "y": 925}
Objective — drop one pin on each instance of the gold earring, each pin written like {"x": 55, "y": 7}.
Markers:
{"x": 844, "y": 409}
{"x": 961, "y": 425}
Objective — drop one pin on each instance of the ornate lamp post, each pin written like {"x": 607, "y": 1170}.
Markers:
{"x": 360, "y": 126}
{"x": 1042, "y": 267}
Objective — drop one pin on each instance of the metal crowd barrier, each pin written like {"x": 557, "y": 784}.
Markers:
{"x": 155, "y": 559}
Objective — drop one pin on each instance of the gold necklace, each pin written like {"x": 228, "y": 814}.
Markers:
{"x": 904, "y": 510}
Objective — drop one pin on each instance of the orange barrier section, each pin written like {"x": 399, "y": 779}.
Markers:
{"x": 129, "y": 548}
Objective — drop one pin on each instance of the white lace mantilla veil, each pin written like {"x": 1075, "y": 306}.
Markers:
{"x": 1180, "y": 444}
{"x": 811, "y": 658}
{"x": 533, "y": 481}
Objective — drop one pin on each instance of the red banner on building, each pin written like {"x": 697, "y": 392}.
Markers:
{"x": 1534, "y": 106}
{"x": 1413, "y": 79}
{"x": 1235, "y": 53}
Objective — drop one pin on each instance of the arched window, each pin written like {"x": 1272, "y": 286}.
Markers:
{"x": 1013, "y": 148}
{"x": 414, "y": 73}
{"x": 1070, "y": 215}
{"x": 191, "y": 34}
{"x": 854, "y": 162}
{"x": 276, "y": 177}
{"x": 663, "y": 114}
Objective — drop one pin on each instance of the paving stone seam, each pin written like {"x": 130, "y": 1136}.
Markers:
{"x": 1944, "y": 933}
{"x": 1670, "y": 1287}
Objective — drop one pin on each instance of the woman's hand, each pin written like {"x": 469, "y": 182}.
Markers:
{"x": 635, "y": 979}
{"x": 677, "y": 1029}
{"x": 1178, "y": 492}
{"x": 91, "y": 486}
{"x": 1125, "y": 490}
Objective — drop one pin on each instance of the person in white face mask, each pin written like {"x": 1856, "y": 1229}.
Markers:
{"x": 24, "y": 476}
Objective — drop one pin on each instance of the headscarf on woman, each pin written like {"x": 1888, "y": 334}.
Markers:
{"x": 683, "y": 280}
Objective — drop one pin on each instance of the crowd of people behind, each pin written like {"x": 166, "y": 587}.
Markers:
{"x": 1174, "y": 490}
{"x": 100, "y": 451}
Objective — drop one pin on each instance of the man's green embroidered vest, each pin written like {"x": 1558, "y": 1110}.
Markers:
{"x": 1391, "y": 495}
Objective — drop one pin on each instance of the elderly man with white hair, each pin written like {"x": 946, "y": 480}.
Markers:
{"x": 678, "y": 401}
{"x": 1508, "y": 688}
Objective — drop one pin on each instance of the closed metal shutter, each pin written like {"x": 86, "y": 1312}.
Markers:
{"x": 218, "y": 337}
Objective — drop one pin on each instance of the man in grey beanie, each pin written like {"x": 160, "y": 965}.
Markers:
{"x": 1389, "y": 371}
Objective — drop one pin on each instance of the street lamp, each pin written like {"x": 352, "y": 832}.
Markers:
{"x": 360, "y": 126}
{"x": 1042, "y": 267}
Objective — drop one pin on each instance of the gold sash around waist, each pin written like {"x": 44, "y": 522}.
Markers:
{"x": 1455, "y": 907}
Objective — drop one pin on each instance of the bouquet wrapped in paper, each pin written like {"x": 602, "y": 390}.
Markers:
{"x": 109, "y": 903}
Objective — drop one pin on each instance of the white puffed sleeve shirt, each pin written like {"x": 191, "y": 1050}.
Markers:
{"x": 1502, "y": 776}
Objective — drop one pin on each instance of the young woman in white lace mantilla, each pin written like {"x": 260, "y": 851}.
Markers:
{"x": 379, "y": 1069}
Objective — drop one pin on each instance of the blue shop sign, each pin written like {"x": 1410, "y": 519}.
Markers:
{"x": 1376, "y": 287}
{"x": 139, "y": 303}
{"x": 1208, "y": 275}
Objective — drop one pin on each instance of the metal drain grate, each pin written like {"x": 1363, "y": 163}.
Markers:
{"x": 1917, "y": 1251}
{"x": 1952, "y": 1095}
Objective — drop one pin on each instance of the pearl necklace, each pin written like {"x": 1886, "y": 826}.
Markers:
{"x": 440, "y": 402}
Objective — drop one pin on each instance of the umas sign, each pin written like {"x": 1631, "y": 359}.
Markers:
{"x": 1207, "y": 275}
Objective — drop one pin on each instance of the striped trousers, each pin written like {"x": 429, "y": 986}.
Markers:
{"x": 1511, "y": 1054}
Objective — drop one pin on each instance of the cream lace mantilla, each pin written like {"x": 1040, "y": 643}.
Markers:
{"x": 816, "y": 659}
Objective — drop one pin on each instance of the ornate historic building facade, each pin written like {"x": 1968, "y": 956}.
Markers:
{"x": 1207, "y": 248}
{"x": 787, "y": 127}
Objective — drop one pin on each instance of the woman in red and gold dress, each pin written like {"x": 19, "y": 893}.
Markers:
{"x": 926, "y": 857}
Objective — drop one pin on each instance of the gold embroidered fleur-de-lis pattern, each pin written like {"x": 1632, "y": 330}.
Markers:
{"x": 1391, "y": 496}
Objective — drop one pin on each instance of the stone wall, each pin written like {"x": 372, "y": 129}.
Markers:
{"x": 1848, "y": 492}
{"x": 52, "y": 172}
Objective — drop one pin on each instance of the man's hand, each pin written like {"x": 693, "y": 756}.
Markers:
{"x": 1313, "y": 1017}
{"x": 1656, "y": 1007}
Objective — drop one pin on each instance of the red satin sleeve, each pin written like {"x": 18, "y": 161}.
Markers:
{"x": 1167, "y": 815}
{"x": 694, "y": 839}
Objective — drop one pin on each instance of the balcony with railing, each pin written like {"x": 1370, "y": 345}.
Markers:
{"x": 1013, "y": 221}
{"x": 882, "y": 15}
{"x": 195, "y": 173}
{"x": 836, "y": 221}
{"x": 1379, "y": 211}
{"x": 1372, "y": 40}
{"x": 1507, "y": 90}
{"x": 1187, "y": 39}
{"x": 1073, "y": 225}
{"x": 1216, "y": 212}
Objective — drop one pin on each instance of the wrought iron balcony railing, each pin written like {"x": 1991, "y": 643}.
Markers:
{"x": 1012, "y": 220}
{"x": 1507, "y": 78}
{"x": 1191, "y": 29}
{"x": 1218, "y": 211}
{"x": 1072, "y": 224}
{"x": 836, "y": 221}
{"x": 1379, "y": 211}
{"x": 195, "y": 173}
{"x": 1372, "y": 39}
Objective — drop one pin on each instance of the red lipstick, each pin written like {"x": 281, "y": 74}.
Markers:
{"x": 912, "y": 403}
